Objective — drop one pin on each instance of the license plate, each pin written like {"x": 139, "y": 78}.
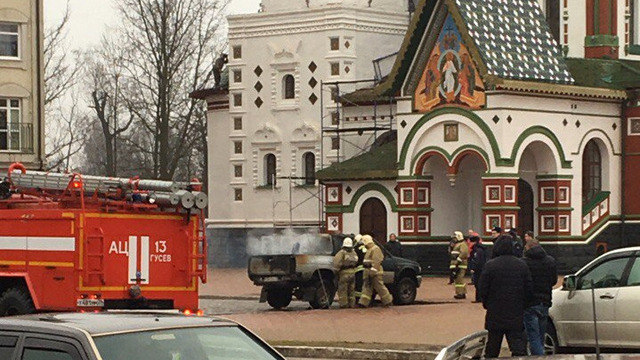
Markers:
{"x": 90, "y": 303}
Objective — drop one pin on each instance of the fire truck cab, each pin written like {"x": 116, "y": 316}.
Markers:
{"x": 74, "y": 243}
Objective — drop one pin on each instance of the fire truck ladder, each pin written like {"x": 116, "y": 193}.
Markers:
{"x": 96, "y": 267}
{"x": 199, "y": 256}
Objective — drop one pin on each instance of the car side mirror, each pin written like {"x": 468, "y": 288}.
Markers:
{"x": 570, "y": 283}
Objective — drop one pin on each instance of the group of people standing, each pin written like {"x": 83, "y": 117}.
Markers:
{"x": 362, "y": 257}
{"x": 514, "y": 287}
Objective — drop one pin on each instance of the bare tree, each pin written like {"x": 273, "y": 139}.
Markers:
{"x": 171, "y": 52}
{"x": 64, "y": 121}
{"x": 107, "y": 87}
{"x": 70, "y": 135}
{"x": 60, "y": 71}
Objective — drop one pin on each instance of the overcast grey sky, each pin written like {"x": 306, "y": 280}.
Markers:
{"x": 89, "y": 18}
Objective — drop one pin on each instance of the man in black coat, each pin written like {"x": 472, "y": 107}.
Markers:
{"x": 477, "y": 260}
{"x": 544, "y": 274}
{"x": 505, "y": 287}
{"x": 393, "y": 246}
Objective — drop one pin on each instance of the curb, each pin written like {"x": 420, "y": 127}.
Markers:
{"x": 356, "y": 354}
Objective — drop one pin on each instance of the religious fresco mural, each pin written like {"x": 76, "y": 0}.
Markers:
{"x": 450, "y": 76}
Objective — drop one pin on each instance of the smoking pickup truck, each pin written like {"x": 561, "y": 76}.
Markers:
{"x": 310, "y": 276}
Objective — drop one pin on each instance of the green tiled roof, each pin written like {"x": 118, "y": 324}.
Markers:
{"x": 603, "y": 73}
{"x": 378, "y": 163}
{"x": 511, "y": 36}
{"x": 514, "y": 40}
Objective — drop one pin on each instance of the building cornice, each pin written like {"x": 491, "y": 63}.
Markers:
{"x": 313, "y": 20}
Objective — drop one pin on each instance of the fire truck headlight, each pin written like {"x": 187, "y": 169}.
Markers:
{"x": 151, "y": 199}
{"x": 135, "y": 291}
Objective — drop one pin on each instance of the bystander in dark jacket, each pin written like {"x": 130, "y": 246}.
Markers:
{"x": 477, "y": 260}
{"x": 393, "y": 246}
{"x": 518, "y": 244}
{"x": 505, "y": 288}
{"x": 544, "y": 274}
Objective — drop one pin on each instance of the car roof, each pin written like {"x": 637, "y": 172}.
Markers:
{"x": 623, "y": 250}
{"x": 103, "y": 323}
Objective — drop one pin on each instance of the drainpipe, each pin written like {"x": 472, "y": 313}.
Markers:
{"x": 623, "y": 211}
{"x": 40, "y": 120}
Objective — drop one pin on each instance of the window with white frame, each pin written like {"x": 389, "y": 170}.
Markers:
{"x": 270, "y": 169}
{"x": 288, "y": 87}
{"x": 407, "y": 196}
{"x": 406, "y": 224}
{"x": 309, "y": 160}
{"x": 423, "y": 224}
{"x": 9, "y": 40}
{"x": 9, "y": 124}
{"x": 564, "y": 223}
{"x": 548, "y": 223}
{"x": 423, "y": 196}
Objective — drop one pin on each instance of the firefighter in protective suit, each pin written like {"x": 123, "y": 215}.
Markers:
{"x": 345, "y": 263}
{"x": 373, "y": 274}
{"x": 360, "y": 250}
{"x": 458, "y": 264}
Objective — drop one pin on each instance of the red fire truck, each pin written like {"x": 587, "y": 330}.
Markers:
{"x": 77, "y": 243}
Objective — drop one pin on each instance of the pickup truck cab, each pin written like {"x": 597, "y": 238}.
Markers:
{"x": 309, "y": 274}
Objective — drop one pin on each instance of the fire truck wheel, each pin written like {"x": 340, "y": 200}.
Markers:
{"x": 325, "y": 291}
{"x": 279, "y": 298}
{"x": 16, "y": 301}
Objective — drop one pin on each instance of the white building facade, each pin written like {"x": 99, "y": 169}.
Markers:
{"x": 21, "y": 83}
{"x": 496, "y": 127}
{"x": 264, "y": 128}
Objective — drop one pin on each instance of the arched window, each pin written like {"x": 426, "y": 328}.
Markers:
{"x": 591, "y": 171}
{"x": 288, "y": 87}
{"x": 270, "y": 169}
{"x": 309, "y": 168}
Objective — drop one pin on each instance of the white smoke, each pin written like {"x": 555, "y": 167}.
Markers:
{"x": 288, "y": 241}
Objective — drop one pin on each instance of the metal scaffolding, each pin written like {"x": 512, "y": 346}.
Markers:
{"x": 334, "y": 127}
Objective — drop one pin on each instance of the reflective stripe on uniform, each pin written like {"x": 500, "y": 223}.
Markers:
{"x": 452, "y": 266}
{"x": 462, "y": 266}
{"x": 363, "y": 296}
{"x": 460, "y": 285}
{"x": 455, "y": 252}
{"x": 358, "y": 293}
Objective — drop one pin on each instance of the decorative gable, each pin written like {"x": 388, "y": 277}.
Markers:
{"x": 266, "y": 135}
{"x": 450, "y": 76}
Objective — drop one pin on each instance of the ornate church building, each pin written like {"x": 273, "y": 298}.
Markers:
{"x": 504, "y": 117}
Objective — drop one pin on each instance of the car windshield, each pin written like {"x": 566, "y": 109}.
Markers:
{"x": 202, "y": 343}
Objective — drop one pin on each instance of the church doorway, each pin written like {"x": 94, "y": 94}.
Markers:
{"x": 525, "y": 202}
{"x": 373, "y": 219}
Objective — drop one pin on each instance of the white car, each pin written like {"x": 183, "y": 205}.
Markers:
{"x": 616, "y": 282}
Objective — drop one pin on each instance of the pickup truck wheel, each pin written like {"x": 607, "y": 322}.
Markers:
{"x": 323, "y": 295}
{"x": 279, "y": 298}
{"x": 16, "y": 301}
{"x": 406, "y": 291}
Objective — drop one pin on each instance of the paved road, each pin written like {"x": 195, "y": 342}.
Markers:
{"x": 213, "y": 305}
{"x": 437, "y": 320}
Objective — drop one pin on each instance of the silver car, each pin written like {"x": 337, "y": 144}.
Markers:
{"x": 616, "y": 282}
{"x": 139, "y": 336}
